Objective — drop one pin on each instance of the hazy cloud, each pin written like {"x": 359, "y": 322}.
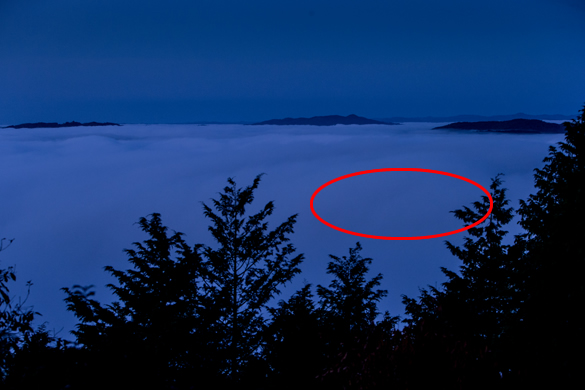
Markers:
{"x": 70, "y": 197}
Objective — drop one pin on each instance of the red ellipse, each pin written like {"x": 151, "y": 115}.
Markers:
{"x": 402, "y": 170}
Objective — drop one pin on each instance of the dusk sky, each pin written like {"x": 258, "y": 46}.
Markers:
{"x": 179, "y": 61}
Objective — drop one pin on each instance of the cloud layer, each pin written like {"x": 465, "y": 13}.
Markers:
{"x": 70, "y": 197}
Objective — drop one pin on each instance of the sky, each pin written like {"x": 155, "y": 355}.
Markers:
{"x": 70, "y": 197}
{"x": 184, "y": 61}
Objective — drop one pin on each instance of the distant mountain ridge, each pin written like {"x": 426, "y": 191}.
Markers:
{"x": 53, "y": 125}
{"x": 329, "y": 120}
{"x": 477, "y": 118}
{"x": 511, "y": 126}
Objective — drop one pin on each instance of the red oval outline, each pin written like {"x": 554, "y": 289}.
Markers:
{"x": 402, "y": 170}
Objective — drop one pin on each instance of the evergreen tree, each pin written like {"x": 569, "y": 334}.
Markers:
{"x": 349, "y": 311}
{"x": 435, "y": 350}
{"x": 485, "y": 290}
{"x": 472, "y": 312}
{"x": 550, "y": 336}
{"x": 350, "y": 299}
{"x": 245, "y": 272}
{"x": 153, "y": 333}
{"x": 483, "y": 296}
{"x": 294, "y": 344}
{"x": 187, "y": 316}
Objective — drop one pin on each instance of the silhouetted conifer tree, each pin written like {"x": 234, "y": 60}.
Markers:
{"x": 295, "y": 346}
{"x": 153, "y": 334}
{"x": 485, "y": 290}
{"x": 551, "y": 336}
{"x": 185, "y": 318}
{"x": 245, "y": 272}
{"x": 368, "y": 362}
{"x": 349, "y": 308}
{"x": 351, "y": 300}
{"x": 473, "y": 310}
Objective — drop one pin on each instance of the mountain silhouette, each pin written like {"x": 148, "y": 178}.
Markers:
{"x": 511, "y": 126}
{"x": 53, "y": 125}
{"x": 329, "y": 120}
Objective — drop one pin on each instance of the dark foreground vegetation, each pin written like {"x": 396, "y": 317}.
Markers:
{"x": 197, "y": 317}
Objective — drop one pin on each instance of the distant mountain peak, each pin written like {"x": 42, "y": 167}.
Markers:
{"x": 511, "y": 126}
{"x": 54, "y": 125}
{"x": 328, "y": 120}
{"x": 476, "y": 118}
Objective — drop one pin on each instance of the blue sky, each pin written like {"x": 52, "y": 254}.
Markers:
{"x": 229, "y": 60}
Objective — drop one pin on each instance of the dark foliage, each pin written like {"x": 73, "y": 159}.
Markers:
{"x": 295, "y": 344}
{"x": 351, "y": 301}
{"x": 450, "y": 333}
{"x": 153, "y": 333}
{"x": 310, "y": 346}
{"x": 367, "y": 362}
{"x": 43, "y": 361}
{"x": 518, "y": 304}
{"x": 244, "y": 273}
{"x": 464, "y": 326}
{"x": 484, "y": 295}
{"x": 349, "y": 310}
{"x": 551, "y": 337}
{"x": 185, "y": 316}
{"x": 15, "y": 319}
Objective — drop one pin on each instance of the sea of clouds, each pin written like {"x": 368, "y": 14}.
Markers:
{"x": 70, "y": 197}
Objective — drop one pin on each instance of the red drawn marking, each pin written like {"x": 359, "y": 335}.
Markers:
{"x": 402, "y": 170}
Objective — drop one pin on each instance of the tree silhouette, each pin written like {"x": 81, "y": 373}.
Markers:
{"x": 295, "y": 347}
{"x": 186, "y": 312}
{"x": 245, "y": 271}
{"x": 153, "y": 333}
{"x": 349, "y": 310}
{"x": 350, "y": 299}
{"x": 483, "y": 294}
{"x": 15, "y": 319}
{"x": 435, "y": 351}
{"x": 551, "y": 336}
{"x": 463, "y": 324}
{"x": 486, "y": 287}
{"x": 43, "y": 361}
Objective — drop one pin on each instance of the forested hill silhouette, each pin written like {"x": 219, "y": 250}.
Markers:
{"x": 53, "y": 125}
{"x": 329, "y": 120}
{"x": 477, "y": 118}
{"x": 511, "y": 126}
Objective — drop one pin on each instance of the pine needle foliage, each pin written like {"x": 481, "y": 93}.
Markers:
{"x": 246, "y": 270}
{"x": 351, "y": 299}
{"x": 551, "y": 335}
{"x": 151, "y": 328}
